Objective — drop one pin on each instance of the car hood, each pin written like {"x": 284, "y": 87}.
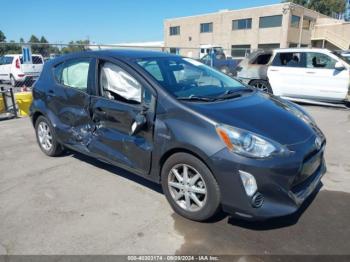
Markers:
{"x": 259, "y": 113}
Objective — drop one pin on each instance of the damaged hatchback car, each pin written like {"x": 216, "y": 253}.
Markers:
{"x": 212, "y": 142}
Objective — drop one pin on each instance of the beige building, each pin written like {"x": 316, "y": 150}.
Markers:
{"x": 240, "y": 31}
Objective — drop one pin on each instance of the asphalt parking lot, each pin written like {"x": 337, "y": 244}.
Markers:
{"x": 76, "y": 205}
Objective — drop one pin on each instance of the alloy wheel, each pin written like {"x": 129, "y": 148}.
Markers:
{"x": 261, "y": 86}
{"x": 45, "y": 136}
{"x": 187, "y": 187}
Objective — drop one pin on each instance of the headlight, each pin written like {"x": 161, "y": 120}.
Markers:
{"x": 248, "y": 144}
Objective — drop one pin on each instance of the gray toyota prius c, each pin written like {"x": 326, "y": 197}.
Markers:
{"x": 210, "y": 141}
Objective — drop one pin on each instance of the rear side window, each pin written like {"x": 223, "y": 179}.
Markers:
{"x": 262, "y": 59}
{"x": 73, "y": 73}
{"x": 318, "y": 60}
{"x": 37, "y": 60}
{"x": 290, "y": 59}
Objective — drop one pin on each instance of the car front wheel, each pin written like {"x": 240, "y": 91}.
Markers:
{"x": 46, "y": 137}
{"x": 190, "y": 187}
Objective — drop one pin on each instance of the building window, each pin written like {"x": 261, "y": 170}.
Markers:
{"x": 174, "y": 30}
{"x": 295, "y": 21}
{"x": 174, "y": 50}
{"x": 306, "y": 24}
{"x": 270, "y": 21}
{"x": 206, "y": 28}
{"x": 242, "y": 24}
{"x": 240, "y": 50}
{"x": 268, "y": 46}
{"x": 292, "y": 45}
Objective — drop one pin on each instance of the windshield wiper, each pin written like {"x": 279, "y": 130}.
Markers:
{"x": 196, "y": 98}
{"x": 234, "y": 93}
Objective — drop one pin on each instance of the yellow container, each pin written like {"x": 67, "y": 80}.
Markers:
{"x": 23, "y": 101}
{"x": 2, "y": 106}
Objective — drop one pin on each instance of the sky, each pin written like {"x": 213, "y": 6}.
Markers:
{"x": 103, "y": 21}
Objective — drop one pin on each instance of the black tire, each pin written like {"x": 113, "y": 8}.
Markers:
{"x": 56, "y": 149}
{"x": 261, "y": 85}
{"x": 212, "y": 197}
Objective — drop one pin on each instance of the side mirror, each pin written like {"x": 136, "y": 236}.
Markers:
{"x": 339, "y": 66}
{"x": 139, "y": 122}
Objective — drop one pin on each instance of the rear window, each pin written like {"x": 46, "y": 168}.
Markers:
{"x": 36, "y": 60}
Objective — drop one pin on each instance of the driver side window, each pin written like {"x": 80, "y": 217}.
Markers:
{"x": 117, "y": 84}
{"x": 318, "y": 60}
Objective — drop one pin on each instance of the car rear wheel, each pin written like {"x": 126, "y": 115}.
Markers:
{"x": 190, "y": 187}
{"x": 46, "y": 137}
{"x": 261, "y": 85}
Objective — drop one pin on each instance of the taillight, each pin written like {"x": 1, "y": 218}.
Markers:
{"x": 18, "y": 65}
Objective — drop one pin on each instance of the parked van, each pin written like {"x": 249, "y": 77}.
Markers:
{"x": 13, "y": 69}
{"x": 298, "y": 73}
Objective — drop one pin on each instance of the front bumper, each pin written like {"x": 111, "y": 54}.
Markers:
{"x": 284, "y": 182}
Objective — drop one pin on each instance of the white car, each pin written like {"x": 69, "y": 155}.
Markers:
{"x": 298, "y": 74}
{"x": 13, "y": 70}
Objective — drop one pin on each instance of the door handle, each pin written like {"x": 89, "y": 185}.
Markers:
{"x": 100, "y": 111}
{"x": 274, "y": 70}
{"x": 311, "y": 72}
{"x": 51, "y": 93}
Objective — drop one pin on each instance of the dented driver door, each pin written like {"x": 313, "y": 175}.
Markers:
{"x": 124, "y": 102}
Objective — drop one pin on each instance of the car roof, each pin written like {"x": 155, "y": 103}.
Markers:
{"x": 122, "y": 54}
{"x": 283, "y": 50}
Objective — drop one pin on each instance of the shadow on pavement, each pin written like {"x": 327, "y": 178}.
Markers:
{"x": 116, "y": 170}
{"x": 321, "y": 227}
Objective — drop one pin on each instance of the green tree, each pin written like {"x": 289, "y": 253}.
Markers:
{"x": 33, "y": 40}
{"x": 44, "y": 49}
{"x": 77, "y": 46}
{"x": 327, "y": 7}
{"x": 2, "y": 37}
{"x": 2, "y": 46}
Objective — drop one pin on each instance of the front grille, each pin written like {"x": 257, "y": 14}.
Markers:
{"x": 306, "y": 182}
{"x": 311, "y": 164}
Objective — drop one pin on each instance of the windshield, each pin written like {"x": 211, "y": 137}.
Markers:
{"x": 188, "y": 78}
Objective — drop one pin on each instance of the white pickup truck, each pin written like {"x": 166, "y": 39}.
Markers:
{"x": 13, "y": 70}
